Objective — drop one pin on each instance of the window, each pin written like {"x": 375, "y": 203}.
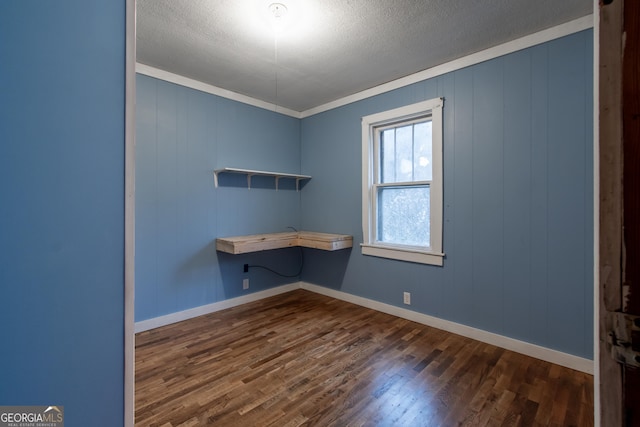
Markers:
{"x": 402, "y": 183}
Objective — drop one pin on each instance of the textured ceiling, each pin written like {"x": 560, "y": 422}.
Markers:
{"x": 335, "y": 48}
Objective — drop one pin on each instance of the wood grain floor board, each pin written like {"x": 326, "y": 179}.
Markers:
{"x": 303, "y": 359}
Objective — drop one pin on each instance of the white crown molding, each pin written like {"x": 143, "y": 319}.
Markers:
{"x": 542, "y": 353}
{"x": 525, "y": 42}
{"x": 157, "y": 73}
{"x": 531, "y": 40}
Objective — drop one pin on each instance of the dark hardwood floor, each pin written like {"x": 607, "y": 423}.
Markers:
{"x": 303, "y": 359}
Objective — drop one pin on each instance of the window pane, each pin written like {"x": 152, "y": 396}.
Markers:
{"x": 387, "y": 155}
{"x": 423, "y": 160}
{"x": 404, "y": 154}
{"x": 403, "y": 215}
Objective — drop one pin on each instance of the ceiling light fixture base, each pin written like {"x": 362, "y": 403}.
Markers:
{"x": 278, "y": 10}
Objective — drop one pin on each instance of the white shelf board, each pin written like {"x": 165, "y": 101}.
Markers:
{"x": 251, "y": 172}
{"x": 262, "y": 242}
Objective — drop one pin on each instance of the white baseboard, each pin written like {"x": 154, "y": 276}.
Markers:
{"x": 542, "y": 353}
{"x": 168, "y": 319}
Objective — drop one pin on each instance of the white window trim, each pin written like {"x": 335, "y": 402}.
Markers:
{"x": 370, "y": 246}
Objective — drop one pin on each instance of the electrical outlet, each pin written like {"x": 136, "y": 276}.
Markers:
{"x": 245, "y": 283}
{"x": 407, "y": 298}
{"x": 245, "y": 268}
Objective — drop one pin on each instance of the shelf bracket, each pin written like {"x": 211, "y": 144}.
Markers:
{"x": 250, "y": 173}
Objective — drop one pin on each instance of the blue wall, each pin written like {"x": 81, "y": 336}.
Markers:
{"x": 62, "y": 207}
{"x": 182, "y": 136}
{"x": 518, "y": 198}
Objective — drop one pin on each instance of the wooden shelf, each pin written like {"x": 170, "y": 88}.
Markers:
{"x": 250, "y": 173}
{"x": 264, "y": 242}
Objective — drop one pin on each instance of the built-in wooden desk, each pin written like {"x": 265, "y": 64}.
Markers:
{"x": 264, "y": 242}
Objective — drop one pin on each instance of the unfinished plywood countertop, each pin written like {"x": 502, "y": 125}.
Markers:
{"x": 264, "y": 242}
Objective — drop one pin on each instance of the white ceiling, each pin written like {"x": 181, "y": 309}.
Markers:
{"x": 335, "y": 48}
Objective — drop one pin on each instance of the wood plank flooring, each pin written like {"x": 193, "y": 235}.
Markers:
{"x": 303, "y": 359}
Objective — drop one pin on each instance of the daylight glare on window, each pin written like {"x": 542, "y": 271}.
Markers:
{"x": 405, "y": 158}
{"x": 405, "y": 153}
{"x": 403, "y": 215}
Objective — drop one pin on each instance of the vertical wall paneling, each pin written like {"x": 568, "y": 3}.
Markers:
{"x": 182, "y": 136}
{"x": 517, "y": 198}
{"x": 447, "y": 85}
{"x": 487, "y": 195}
{"x": 539, "y": 234}
{"x": 567, "y": 162}
{"x": 458, "y": 190}
{"x": 169, "y": 195}
{"x": 146, "y": 197}
{"x": 517, "y": 194}
{"x": 590, "y": 192}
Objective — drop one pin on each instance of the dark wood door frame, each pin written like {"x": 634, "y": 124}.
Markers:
{"x": 619, "y": 200}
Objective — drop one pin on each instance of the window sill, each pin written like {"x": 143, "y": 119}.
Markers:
{"x": 403, "y": 254}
